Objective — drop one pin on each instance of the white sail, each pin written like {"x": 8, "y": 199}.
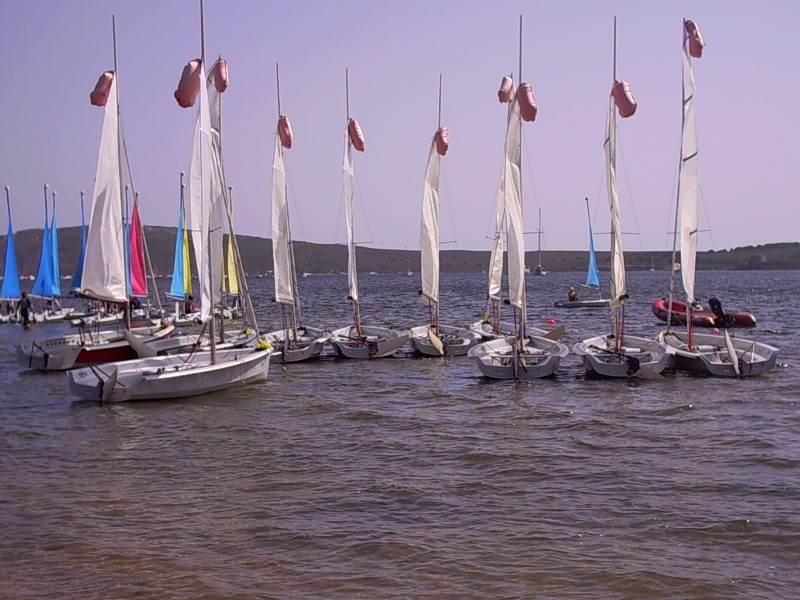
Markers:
{"x": 349, "y": 184}
{"x": 204, "y": 217}
{"x": 513, "y": 210}
{"x": 617, "y": 283}
{"x": 429, "y": 230}
{"x": 281, "y": 235}
{"x": 688, "y": 186}
{"x": 104, "y": 263}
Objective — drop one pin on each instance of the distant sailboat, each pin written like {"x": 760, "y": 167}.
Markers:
{"x": 592, "y": 277}
{"x": 10, "y": 291}
{"x": 539, "y": 269}
{"x": 78, "y": 276}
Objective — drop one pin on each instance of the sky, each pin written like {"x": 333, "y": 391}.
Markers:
{"x": 747, "y": 92}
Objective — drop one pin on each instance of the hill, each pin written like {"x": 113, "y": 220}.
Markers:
{"x": 332, "y": 258}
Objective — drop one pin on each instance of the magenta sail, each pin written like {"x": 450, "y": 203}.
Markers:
{"x": 138, "y": 276}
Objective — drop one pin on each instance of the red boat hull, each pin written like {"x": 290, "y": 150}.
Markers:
{"x": 700, "y": 318}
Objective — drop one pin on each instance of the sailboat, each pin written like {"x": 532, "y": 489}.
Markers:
{"x": 180, "y": 290}
{"x": 10, "y": 291}
{"x": 294, "y": 341}
{"x": 193, "y": 374}
{"x": 521, "y": 355}
{"x": 709, "y": 354}
{"x": 359, "y": 340}
{"x": 47, "y": 284}
{"x": 103, "y": 277}
{"x": 618, "y": 354}
{"x": 538, "y": 269}
{"x": 592, "y": 277}
{"x": 435, "y": 339}
{"x": 78, "y": 276}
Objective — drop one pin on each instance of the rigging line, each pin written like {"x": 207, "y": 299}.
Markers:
{"x": 705, "y": 213}
{"x": 630, "y": 194}
{"x": 364, "y": 213}
{"x": 445, "y": 192}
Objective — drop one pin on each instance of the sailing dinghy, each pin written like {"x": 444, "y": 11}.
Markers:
{"x": 592, "y": 277}
{"x": 358, "y": 340}
{"x": 294, "y": 341}
{"x": 617, "y": 354}
{"x": 435, "y": 339}
{"x": 522, "y": 355}
{"x": 192, "y": 374}
{"x": 708, "y": 354}
{"x": 103, "y": 275}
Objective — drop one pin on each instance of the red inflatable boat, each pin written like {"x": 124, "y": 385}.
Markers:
{"x": 700, "y": 317}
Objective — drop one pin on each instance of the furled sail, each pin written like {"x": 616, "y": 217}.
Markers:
{"x": 617, "y": 283}
{"x": 513, "y": 209}
{"x": 429, "y": 230}
{"x": 688, "y": 181}
{"x": 281, "y": 234}
{"x": 349, "y": 183}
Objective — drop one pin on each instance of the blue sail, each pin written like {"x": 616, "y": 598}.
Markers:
{"x": 55, "y": 267}
{"x": 178, "y": 275}
{"x": 10, "y": 290}
{"x": 592, "y": 275}
{"x": 76, "y": 280}
{"x": 42, "y": 284}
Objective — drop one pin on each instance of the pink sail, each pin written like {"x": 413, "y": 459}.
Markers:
{"x": 527, "y": 103}
{"x": 285, "y": 132}
{"x": 696, "y": 43}
{"x": 505, "y": 92}
{"x": 99, "y": 95}
{"x": 189, "y": 85}
{"x": 441, "y": 140}
{"x": 220, "y": 70}
{"x": 138, "y": 276}
{"x": 355, "y": 134}
{"x": 623, "y": 98}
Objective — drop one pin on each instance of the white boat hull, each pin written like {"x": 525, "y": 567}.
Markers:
{"x": 453, "y": 341}
{"x": 638, "y": 358}
{"x": 172, "y": 376}
{"x": 599, "y": 303}
{"x": 308, "y": 344}
{"x": 66, "y": 352}
{"x": 711, "y": 357}
{"x": 374, "y": 342}
{"x": 540, "y": 357}
{"x": 487, "y": 332}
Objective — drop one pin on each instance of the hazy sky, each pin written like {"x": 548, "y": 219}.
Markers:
{"x": 747, "y": 111}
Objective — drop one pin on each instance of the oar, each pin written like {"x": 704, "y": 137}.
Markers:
{"x": 635, "y": 367}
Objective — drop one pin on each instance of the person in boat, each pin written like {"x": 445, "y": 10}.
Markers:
{"x": 25, "y": 307}
{"x": 572, "y": 295}
{"x": 188, "y": 306}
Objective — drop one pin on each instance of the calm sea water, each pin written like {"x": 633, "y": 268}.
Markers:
{"x": 416, "y": 478}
